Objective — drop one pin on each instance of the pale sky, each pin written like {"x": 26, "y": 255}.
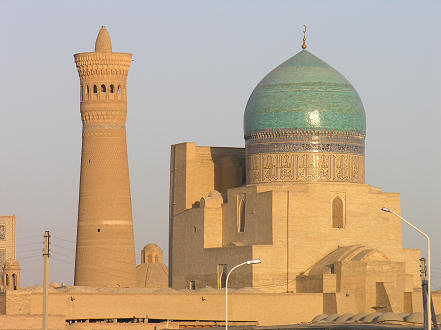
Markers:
{"x": 196, "y": 64}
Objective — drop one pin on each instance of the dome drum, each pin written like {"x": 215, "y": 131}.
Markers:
{"x": 305, "y": 141}
{"x": 303, "y": 167}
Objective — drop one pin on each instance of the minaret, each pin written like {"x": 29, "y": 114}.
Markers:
{"x": 105, "y": 254}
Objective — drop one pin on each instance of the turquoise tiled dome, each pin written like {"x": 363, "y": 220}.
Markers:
{"x": 304, "y": 93}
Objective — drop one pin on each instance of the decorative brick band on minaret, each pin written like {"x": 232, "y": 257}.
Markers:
{"x": 105, "y": 254}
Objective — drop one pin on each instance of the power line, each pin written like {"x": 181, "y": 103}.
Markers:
{"x": 24, "y": 251}
{"x": 63, "y": 247}
{"x": 26, "y": 237}
{"x": 62, "y": 239}
{"x": 28, "y": 244}
{"x": 28, "y": 257}
{"x": 64, "y": 261}
{"x": 62, "y": 255}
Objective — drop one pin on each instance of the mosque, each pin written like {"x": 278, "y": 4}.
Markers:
{"x": 295, "y": 197}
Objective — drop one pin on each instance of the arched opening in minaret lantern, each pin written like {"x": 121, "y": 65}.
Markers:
{"x": 11, "y": 274}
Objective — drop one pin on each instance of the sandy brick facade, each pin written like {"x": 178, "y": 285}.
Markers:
{"x": 290, "y": 227}
{"x": 9, "y": 265}
{"x": 105, "y": 253}
{"x": 78, "y": 304}
{"x": 7, "y": 238}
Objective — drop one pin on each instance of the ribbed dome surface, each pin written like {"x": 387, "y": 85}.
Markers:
{"x": 304, "y": 93}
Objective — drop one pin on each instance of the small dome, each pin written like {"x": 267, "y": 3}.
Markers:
{"x": 371, "y": 317}
{"x": 151, "y": 253}
{"x": 213, "y": 199}
{"x": 343, "y": 318}
{"x": 390, "y": 316}
{"x": 152, "y": 247}
{"x": 214, "y": 194}
{"x": 103, "y": 43}
{"x": 357, "y": 317}
{"x": 331, "y": 317}
{"x": 304, "y": 93}
{"x": 319, "y": 318}
{"x": 417, "y": 317}
{"x": 152, "y": 275}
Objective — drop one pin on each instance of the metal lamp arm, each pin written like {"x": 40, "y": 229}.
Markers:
{"x": 228, "y": 275}
{"x": 414, "y": 227}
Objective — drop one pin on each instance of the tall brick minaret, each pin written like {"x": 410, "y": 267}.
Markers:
{"x": 105, "y": 254}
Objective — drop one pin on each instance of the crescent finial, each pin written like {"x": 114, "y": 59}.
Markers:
{"x": 304, "y": 37}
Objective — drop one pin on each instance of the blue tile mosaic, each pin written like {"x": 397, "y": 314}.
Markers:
{"x": 304, "y": 92}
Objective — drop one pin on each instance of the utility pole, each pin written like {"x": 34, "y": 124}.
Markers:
{"x": 423, "y": 271}
{"x": 426, "y": 302}
{"x": 45, "y": 278}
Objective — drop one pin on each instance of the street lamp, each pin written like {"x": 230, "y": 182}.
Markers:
{"x": 429, "y": 299}
{"x": 249, "y": 262}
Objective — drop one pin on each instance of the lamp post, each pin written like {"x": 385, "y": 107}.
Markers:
{"x": 249, "y": 262}
{"x": 429, "y": 299}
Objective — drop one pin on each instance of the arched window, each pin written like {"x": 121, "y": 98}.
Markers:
{"x": 156, "y": 259}
{"x": 95, "y": 90}
{"x": 7, "y": 280}
{"x": 119, "y": 89}
{"x": 103, "y": 88}
{"x": 337, "y": 212}
{"x": 112, "y": 89}
{"x": 221, "y": 275}
{"x": 150, "y": 259}
{"x": 241, "y": 217}
{"x": 88, "y": 90}
{"x": 223, "y": 280}
{"x": 14, "y": 281}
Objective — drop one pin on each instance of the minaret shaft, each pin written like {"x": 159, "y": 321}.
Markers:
{"x": 105, "y": 254}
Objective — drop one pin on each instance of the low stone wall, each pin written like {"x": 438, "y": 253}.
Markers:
{"x": 77, "y": 304}
{"x": 101, "y": 304}
{"x": 28, "y": 322}
{"x": 116, "y": 326}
